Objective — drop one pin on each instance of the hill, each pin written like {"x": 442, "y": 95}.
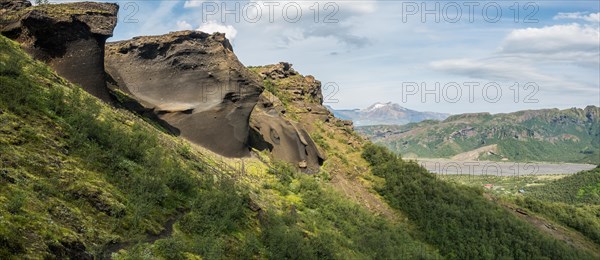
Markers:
{"x": 80, "y": 179}
{"x": 570, "y": 135}
{"x": 580, "y": 188}
{"x": 573, "y": 201}
{"x": 385, "y": 114}
{"x": 84, "y": 177}
{"x": 458, "y": 219}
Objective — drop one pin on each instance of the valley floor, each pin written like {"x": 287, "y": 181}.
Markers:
{"x": 451, "y": 167}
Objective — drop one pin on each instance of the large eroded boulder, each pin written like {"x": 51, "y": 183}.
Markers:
{"x": 285, "y": 139}
{"x": 273, "y": 130}
{"x": 191, "y": 81}
{"x": 69, "y": 37}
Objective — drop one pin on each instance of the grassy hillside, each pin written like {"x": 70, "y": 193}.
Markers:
{"x": 573, "y": 201}
{"x": 458, "y": 219}
{"x": 571, "y": 135}
{"x": 580, "y": 188}
{"x": 77, "y": 176}
{"x": 79, "y": 179}
{"x": 562, "y": 205}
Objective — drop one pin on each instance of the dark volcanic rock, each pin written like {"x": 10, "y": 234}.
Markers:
{"x": 193, "y": 82}
{"x": 69, "y": 37}
{"x": 13, "y": 5}
{"x": 301, "y": 87}
{"x": 285, "y": 139}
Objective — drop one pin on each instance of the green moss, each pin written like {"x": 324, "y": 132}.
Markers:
{"x": 77, "y": 169}
{"x": 74, "y": 171}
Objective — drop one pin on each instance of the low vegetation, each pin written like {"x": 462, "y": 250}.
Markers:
{"x": 458, "y": 219}
{"x": 77, "y": 176}
{"x": 573, "y": 201}
{"x": 80, "y": 179}
{"x": 569, "y": 201}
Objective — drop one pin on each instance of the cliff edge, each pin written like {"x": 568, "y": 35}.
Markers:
{"x": 68, "y": 37}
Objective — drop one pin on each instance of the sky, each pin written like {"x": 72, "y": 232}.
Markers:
{"x": 441, "y": 56}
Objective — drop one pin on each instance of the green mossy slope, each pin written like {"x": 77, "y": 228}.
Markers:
{"x": 80, "y": 179}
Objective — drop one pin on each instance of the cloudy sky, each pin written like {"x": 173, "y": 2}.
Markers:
{"x": 443, "y": 56}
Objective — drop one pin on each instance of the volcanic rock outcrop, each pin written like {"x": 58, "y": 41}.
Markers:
{"x": 288, "y": 140}
{"x": 193, "y": 82}
{"x": 69, "y": 37}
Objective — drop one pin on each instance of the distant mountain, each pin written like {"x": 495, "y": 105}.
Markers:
{"x": 385, "y": 114}
{"x": 570, "y": 135}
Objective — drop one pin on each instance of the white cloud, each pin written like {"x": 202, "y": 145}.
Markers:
{"x": 192, "y": 3}
{"x": 300, "y": 21}
{"x": 522, "y": 51}
{"x": 553, "y": 39}
{"x": 593, "y": 17}
{"x": 152, "y": 18}
{"x": 370, "y": 34}
{"x": 502, "y": 69}
{"x": 183, "y": 25}
{"x": 212, "y": 26}
{"x": 559, "y": 58}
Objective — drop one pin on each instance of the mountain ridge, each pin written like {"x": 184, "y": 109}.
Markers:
{"x": 541, "y": 135}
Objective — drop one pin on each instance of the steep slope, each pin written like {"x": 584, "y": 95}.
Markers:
{"x": 69, "y": 37}
{"x": 573, "y": 201}
{"x": 461, "y": 221}
{"x": 82, "y": 180}
{"x": 297, "y": 99}
{"x": 193, "y": 82}
{"x": 570, "y": 135}
{"x": 76, "y": 175}
{"x": 386, "y": 114}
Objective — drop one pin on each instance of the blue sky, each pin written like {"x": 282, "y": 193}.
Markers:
{"x": 376, "y": 51}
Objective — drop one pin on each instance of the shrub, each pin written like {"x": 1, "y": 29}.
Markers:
{"x": 457, "y": 219}
{"x": 215, "y": 211}
{"x": 16, "y": 202}
{"x": 169, "y": 248}
{"x": 284, "y": 171}
{"x": 376, "y": 155}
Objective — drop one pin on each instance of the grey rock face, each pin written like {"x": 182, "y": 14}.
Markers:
{"x": 285, "y": 139}
{"x": 69, "y": 37}
{"x": 193, "y": 82}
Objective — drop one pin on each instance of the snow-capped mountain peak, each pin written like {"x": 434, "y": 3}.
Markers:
{"x": 384, "y": 106}
{"x": 385, "y": 114}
